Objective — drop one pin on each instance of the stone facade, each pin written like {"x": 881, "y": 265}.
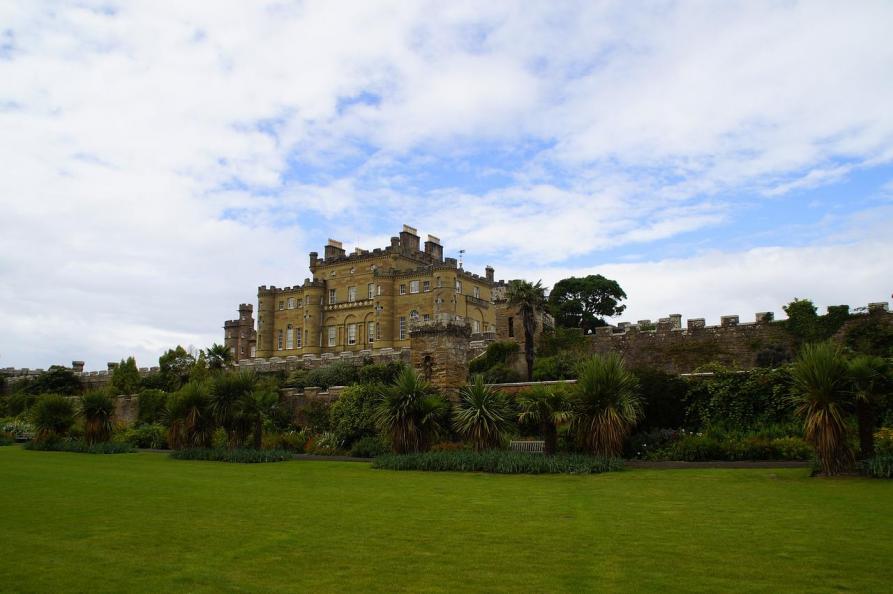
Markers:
{"x": 371, "y": 299}
{"x": 239, "y": 336}
{"x": 509, "y": 324}
{"x": 439, "y": 351}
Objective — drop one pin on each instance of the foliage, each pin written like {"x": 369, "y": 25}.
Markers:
{"x": 499, "y": 462}
{"x": 820, "y": 377}
{"x": 561, "y": 366}
{"x": 379, "y": 373}
{"x": 228, "y": 396}
{"x": 529, "y": 298}
{"x": 174, "y": 368}
{"x": 806, "y": 326}
{"x": 189, "y": 417}
{"x": 152, "y": 436}
{"x": 483, "y": 415}
{"x": 55, "y": 380}
{"x": 606, "y": 405}
{"x": 497, "y": 353}
{"x": 664, "y": 397}
{"x": 324, "y": 444}
{"x": 19, "y": 403}
{"x": 743, "y": 400}
{"x": 97, "y": 409}
{"x": 871, "y": 336}
{"x": 879, "y": 466}
{"x": 52, "y": 416}
{"x": 409, "y": 413}
{"x": 585, "y": 302}
{"x": 57, "y": 444}
{"x": 218, "y": 356}
{"x": 548, "y": 407}
{"x": 239, "y": 455}
{"x": 126, "y": 377}
{"x": 501, "y": 374}
{"x": 292, "y": 441}
{"x": 336, "y": 374}
{"x": 871, "y": 381}
{"x": 369, "y": 447}
{"x": 316, "y": 416}
{"x": 153, "y": 403}
{"x": 352, "y": 415}
{"x": 560, "y": 340}
{"x": 883, "y": 442}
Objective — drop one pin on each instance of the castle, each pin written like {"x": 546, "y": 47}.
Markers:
{"x": 372, "y": 300}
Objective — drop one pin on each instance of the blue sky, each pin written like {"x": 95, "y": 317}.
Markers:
{"x": 162, "y": 160}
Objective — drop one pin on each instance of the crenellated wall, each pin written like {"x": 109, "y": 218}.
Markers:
{"x": 670, "y": 347}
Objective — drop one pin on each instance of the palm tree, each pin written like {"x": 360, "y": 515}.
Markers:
{"x": 257, "y": 406}
{"x": 482, "y": 415}
{"x": 607, "y": 405}
{"x": 869, "y": 375}
{"x": 229, "y": 393}
{"x": 529, "y": 298}
{"x": 219, "y": 357}
{"x": 97, "y": 409}
{"x": 409, "y": 413}
{"x": 820, "y": 376}
{"x": 549, "y": 408}
{"x": 190, "y": 420}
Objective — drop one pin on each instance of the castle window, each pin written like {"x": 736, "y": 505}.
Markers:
{"x": 459, "y": 286}
{"x": 426, "y": 317}
{"x": 351, "y": 334}
{"x": 370, "y": 331}
{"x": 307, "y": 299}
{"x": 477, "y": 292}
{"x": 414, "y": 316}
{"x": 402, "y": 328}
{"x": 289, "y": 338}
{"x": 282, "y": 305}
{"x": 511, "y": 327}
{"x": 370, "y": 291}
{"x": 333, "y": 335}
{"x": 253, "y": 351}
{"x": 292, "y": 303}
{"x": 475, "y": 327}
{"x": 351, "y": 294}
{"x": 426, "y": 286}
{"x": 279, "y": 342}
{"x": 333, "y": 297}
{"x": 298, "y": 336}
{"x": 414, "y": 286}
{"x": 379, "y": 290}
{"x": 403, "y": 289}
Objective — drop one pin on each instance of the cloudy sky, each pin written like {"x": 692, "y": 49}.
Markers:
{"x": 160, "y": 160}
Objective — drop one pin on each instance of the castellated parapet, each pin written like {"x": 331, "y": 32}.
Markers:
{"x": 670, "y": 347}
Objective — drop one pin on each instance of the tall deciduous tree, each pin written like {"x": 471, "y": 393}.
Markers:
{"x": 586, "y": 302}
{"x": 126, "y": 377}
{"x": 529, "y": 298}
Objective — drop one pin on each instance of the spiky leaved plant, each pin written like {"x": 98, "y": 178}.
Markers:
{"x": 548, "y": 407}
{"x": 190, "y": 420}
{"x": 410, "y": 413}
{"x": 870, "y": 376}
{"x": 483, "y": 415}
{"x": 820, "y": 390}
{"x": 97, "y": 409}
{"x": 606, "y": 404}
{"x": 229, "y": 393}
{"x": 529, "y": 298}
{"x": 52, "y": 416}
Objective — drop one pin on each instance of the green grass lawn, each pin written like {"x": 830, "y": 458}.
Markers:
{"x": 144, "y": 522}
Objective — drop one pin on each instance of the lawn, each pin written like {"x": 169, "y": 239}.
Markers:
{"x": 144, "y": 522}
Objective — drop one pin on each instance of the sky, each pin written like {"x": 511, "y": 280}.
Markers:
{"x": 159, "y": 160}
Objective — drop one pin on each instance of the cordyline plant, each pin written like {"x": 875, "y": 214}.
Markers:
{"x": 483, "y": 415}
{"x": 97, "y": 410}
{"x": 606, "y": 404}
{"x": 409, "y": 413}
{"x": 820, "y": 391}
{"x": 548, "y": 407}
{"x": 190, "y": 420}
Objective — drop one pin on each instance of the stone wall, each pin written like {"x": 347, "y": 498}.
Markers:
{"x": 439, "y": 352}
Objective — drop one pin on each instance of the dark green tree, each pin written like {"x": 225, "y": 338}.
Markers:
{"x": 585, "y": 302}
{"x": 126, "y": 377}
{"x": 529, "y": 298}
{"x": 175, "y": 366}
{"x": 218, "y": 357}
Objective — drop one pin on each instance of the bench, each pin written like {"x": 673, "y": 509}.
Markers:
{"x": 527, "y": 447}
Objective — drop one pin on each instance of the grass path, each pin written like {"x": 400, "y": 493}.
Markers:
{"x": 143, "y": 522}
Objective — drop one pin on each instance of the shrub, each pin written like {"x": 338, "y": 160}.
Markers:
{"x": 501, "y": 374}
{"x": 449, "y": 446}
{"x": 879, "y": 466}
{"x": 883, "y": 442}
{"x": 6, "y": 440}
{"x": 292, "y": 441}
{"x": 791, "y": 448}
{"x": 606, "y": 404}
{"x": 483, "y": 415}
{"x": 562, "y": 340}
{"x": 153, "y": 436}
{"x": 126, "y": 377}
{"x": 369, "y": 447}
{"x": 498, "y": 461}
{"x": 191, "y": 423}
{"x": 17, "y": 404}
{"x": 56, "y": 444}
{"x": 97, "y": 409}
{"x": 497, "y": 353}
{"x": 410, "y": 413}
{"x": 152, "y": 405}
{"x": 745, "y": 401}
{"x": 352, "y": 416}
{"x": 324, "y": 444}
{"x": 663, "y": 398}
{"x": 315, "y": 416}
{"x": 697, "y": 448}
{"x": 380, "y": 373}
{"x": 52, "y": 415}
{"x": 336, "y": 374}
{"x": 239, "y": 455}
{"x": 557, "y": 367}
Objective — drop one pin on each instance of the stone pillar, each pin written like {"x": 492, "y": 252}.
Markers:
{"x": 439, "y": 352}
{"x": 77, "y": 366}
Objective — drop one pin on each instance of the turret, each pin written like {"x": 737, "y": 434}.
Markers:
{"x": 313, "y": 315}
{"x": 266, "y": 305}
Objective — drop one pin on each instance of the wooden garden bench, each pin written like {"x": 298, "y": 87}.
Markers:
{"x": 528, "y": 447}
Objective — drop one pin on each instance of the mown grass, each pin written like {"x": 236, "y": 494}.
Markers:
{"x": 144, "y": 522}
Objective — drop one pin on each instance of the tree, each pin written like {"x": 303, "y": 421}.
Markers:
{"x": 55, "y": 380}
{"x": 483, "y": 415}
{"x": 175, "y": 366}
{"x": 190, "y": 420}
{"x": 528, "y": 298}
{"x": 218, "y": 357}
{"x": 229, "y": 392}
{"x": 126, "y": 377}
{"x": 259, "y": 405}
{"x": 97, "y": 409}
{"x": 870, "y": 378}
{"x": 607, "y": 405}
{"x": 585, "y": 302}
{"x": 548, "y": 407}
{"x": 409, "y": 413}
{"x": 820, "y": 378}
